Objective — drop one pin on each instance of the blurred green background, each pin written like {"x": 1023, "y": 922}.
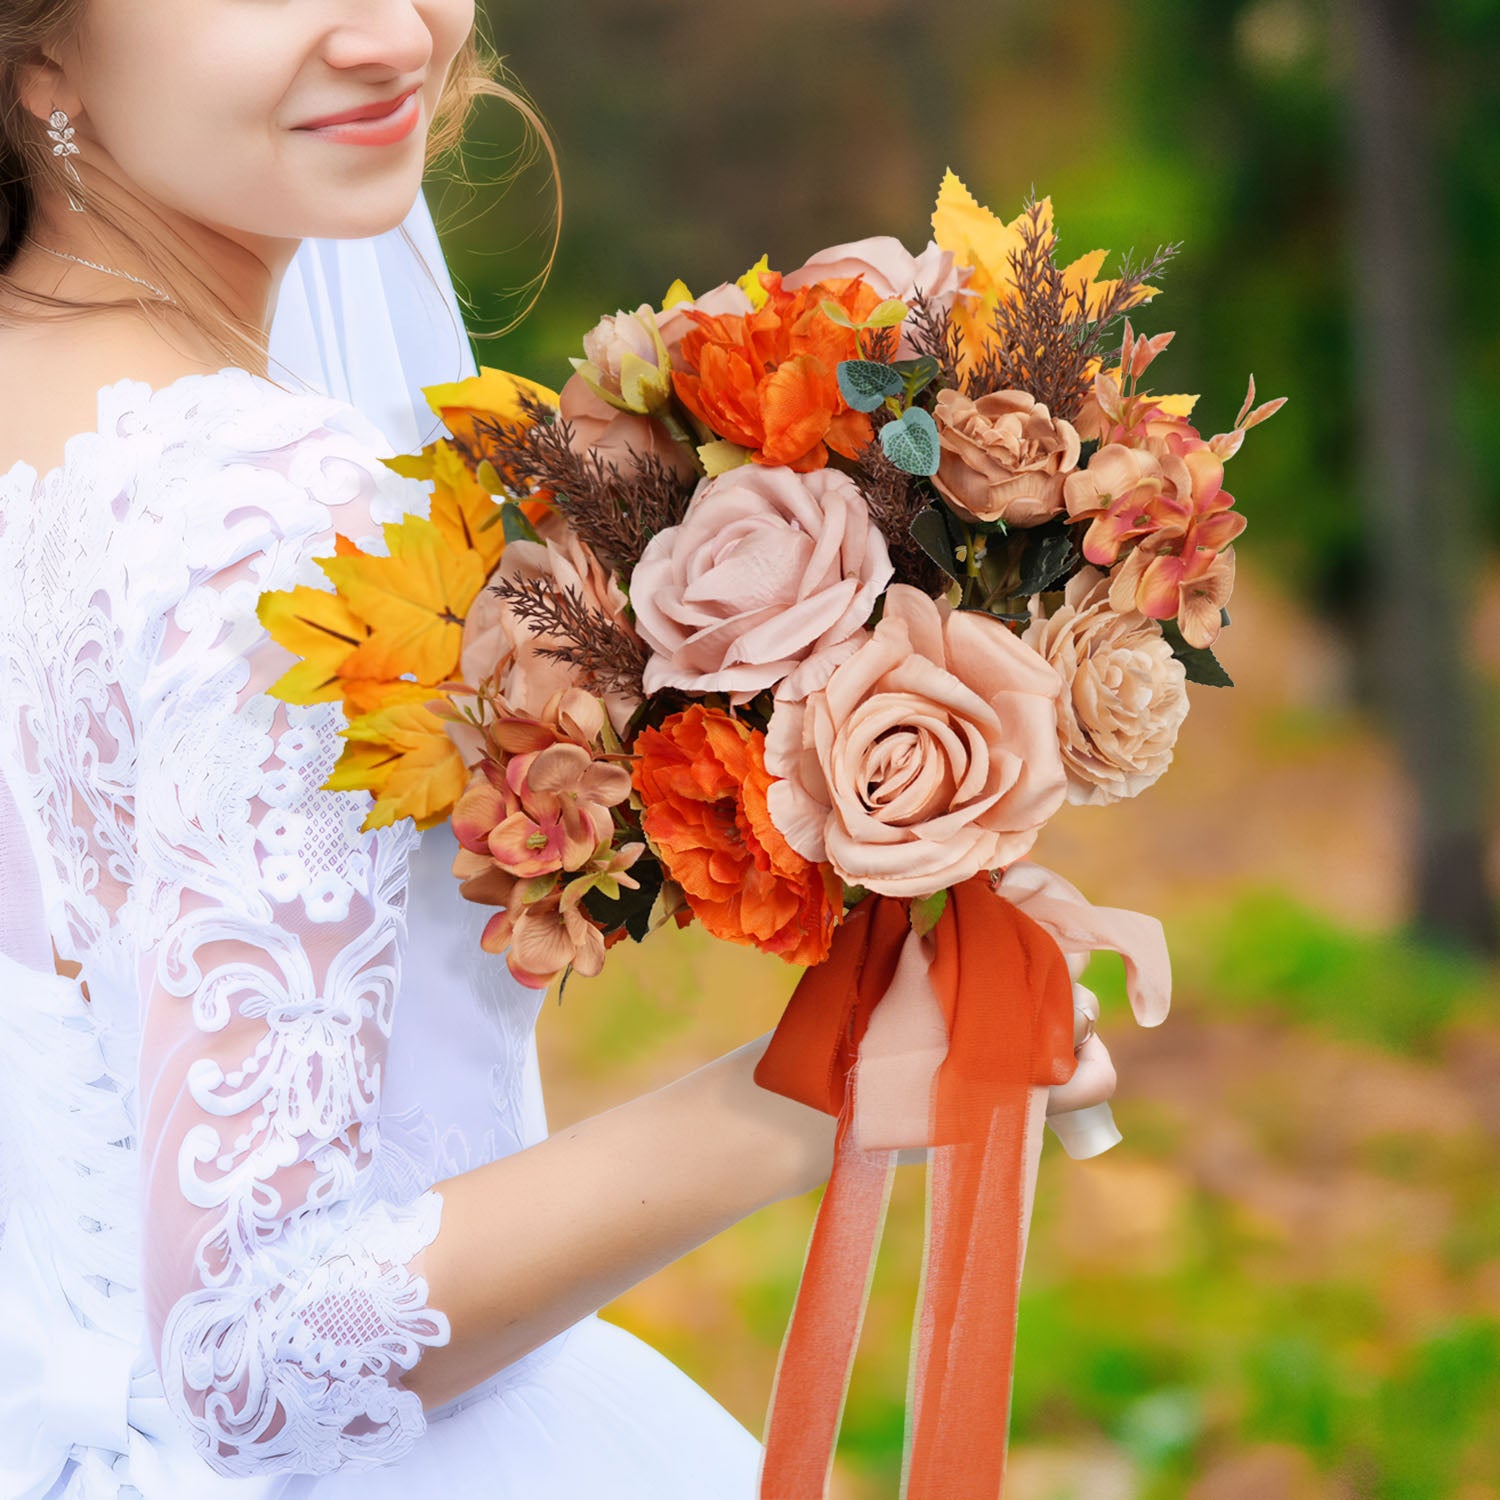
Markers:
{"x": 1285, "y": 1281}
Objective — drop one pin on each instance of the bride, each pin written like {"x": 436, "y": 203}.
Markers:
{"x": 279, "y": 1210}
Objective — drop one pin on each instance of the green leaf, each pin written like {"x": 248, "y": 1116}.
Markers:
{"x": 911, "y": 443}
{"x": 927, "y": 912}
{"x": 932, "y": 531}
{"x": 918, "y": 374}
{"x": 835, "y": 314}
{"x": 1049, "y": 554}
{"x": 517, "y": 527}
{"x": 887, "y": 315}
{"x": 865, "y": 383}
{"x": 627, "y": 908}
{"x": 1200, "y": 663}
{"x": 489, "y": 476}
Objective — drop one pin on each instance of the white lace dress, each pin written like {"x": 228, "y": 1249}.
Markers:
{"x": 216, "y": 1175}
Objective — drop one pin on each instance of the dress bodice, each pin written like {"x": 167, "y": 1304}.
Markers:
{"x": 216, "y": 1174}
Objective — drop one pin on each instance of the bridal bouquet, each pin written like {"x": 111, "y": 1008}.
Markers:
{"x": 798, "y": 612}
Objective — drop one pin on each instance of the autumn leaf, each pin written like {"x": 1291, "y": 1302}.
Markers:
{"x": 320, "y": 628}
{"x": 364, "y": 695}
{"x": 491, "y": 393}
{"x": 460, "y": 507}
{"x": 403, "y": 755}
{"x": 414, "y": 601}
{"x": 980, "y": 239}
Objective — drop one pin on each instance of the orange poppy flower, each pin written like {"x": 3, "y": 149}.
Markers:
{"x": 768, "y": 379}
{"x": 703, "y": 780}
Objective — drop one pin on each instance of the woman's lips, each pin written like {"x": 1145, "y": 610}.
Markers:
{"x": 380, "y": 130}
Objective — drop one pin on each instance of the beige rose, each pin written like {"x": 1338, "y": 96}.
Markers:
{"x": 1127, "y": 693}
{"x": 498, "y": 645}
{"x": 1004, "y": 457}
{"x": 767, "y": 568}
{"x": 929, "y": 755}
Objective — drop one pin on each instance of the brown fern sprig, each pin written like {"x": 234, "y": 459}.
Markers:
{"x": 615, "y": 512}
{"x": 880, "y": 344}
{"x": 1043, "y": 338}
{"x": 894, "y": 502}
{"x": 933, "y": 333}
{"x": 610, "y": 657}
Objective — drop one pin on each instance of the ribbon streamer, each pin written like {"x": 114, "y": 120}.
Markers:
{"x": 949, "y": 1043}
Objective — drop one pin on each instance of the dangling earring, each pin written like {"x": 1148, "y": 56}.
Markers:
{"x": 62, "y": 133}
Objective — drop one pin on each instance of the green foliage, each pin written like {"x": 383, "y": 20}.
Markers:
{"x": 1199, "y": 663}
{"x": 911, "y": 442}
{"x": 938, "y": 532}
{"x": 865, "y": 383}
{"x": 1271, "y": 953}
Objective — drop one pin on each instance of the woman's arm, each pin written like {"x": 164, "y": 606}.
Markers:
{"x": 547, "y": 1235}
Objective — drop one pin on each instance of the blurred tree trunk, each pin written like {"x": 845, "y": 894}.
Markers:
{"x": 1421, "y": 528}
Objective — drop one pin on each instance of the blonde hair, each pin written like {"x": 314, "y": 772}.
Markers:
{"x": 28, "y": 167}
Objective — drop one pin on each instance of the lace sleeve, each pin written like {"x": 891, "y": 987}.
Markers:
{"x": 284, "y": 1298}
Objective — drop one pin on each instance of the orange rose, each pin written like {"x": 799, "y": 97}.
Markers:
{"x": 768, "y": 380}
{"x": 702, "y": 778}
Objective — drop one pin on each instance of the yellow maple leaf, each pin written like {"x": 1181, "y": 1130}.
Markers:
{"x": 401, "y": 753}
{"x": 320, "y": 628}
{"x": 461, "y": 506}
{"x": 413, "y": 600}
{"x": 981, "y": 240}
{"x": 491, "y": 393}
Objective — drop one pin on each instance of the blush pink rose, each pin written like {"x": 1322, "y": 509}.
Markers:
{"x": 724, "y": 301}
{"x": 767, "y": 568}
{"x": 502, "y": 648}
{"x": 890, "y": 270}
{"x": 929, "y": 755}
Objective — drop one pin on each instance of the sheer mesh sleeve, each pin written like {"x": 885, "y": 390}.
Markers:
{"x": 284, "y": 1298}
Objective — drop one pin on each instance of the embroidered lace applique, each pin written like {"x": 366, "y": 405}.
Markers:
{"x": 235, "y": 928}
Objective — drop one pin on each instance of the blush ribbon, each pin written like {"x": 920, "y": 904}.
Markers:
{"x": 948, "y": 1042}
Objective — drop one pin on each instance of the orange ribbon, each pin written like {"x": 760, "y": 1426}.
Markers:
{"x": 1005, "y": 993}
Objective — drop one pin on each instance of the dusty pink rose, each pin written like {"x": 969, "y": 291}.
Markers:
{"x": 767, "y": 568}
{"x": 929, "y": 755}
{"x": 891, "y": 270}
{"x": 1127, "y": 693}
{"x": 496, "y": 645}
{"x": 1004, "y": 457}
{"x": 618, "y": 435}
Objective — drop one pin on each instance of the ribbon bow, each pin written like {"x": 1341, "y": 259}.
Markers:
{"x": 948, "y": 1042}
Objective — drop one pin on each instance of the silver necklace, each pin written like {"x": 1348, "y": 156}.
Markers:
{"x": 109, "y": 271}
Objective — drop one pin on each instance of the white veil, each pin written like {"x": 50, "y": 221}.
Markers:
{"x": 363, "y": 321}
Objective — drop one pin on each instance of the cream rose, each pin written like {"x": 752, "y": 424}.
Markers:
{"x": 1004, "y": 457}
{"x": 929, "y": 755}
{"x": 766, "y": 568}
{"x": 1128, "y": 693}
